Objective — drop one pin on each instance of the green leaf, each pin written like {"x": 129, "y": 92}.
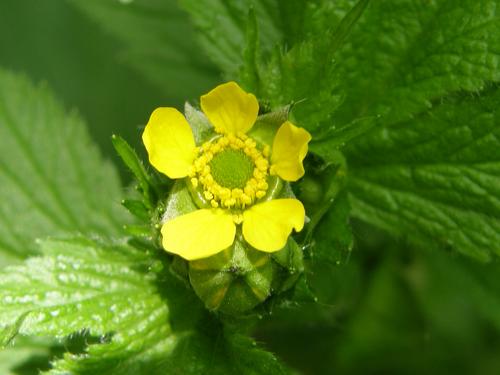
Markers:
{"x": 305, "y": 74}
{"x": 328, "y": 144}
{"x": 145, "y": 322}
{"x": 10, "y": 331}
{"x": 223, "y": 24}
{"x": 434, "y": 179}
{"x": 78, "y": 284}
{"x": 189, "y": 352}
{"x": 249, "y": 75}
{"x": 53, "y": 179}
{"x": 158, "y": 42}
{"x": 333, "y": 239}
{"x": 403, "y": 56}
{"x": 283, "y": 52}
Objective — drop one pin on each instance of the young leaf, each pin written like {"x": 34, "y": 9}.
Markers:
{"x": 157, "y": 42}
{"x": 306, "y": 74}
{"x": 435, "y": 178}
{"x": 53, "y": 179}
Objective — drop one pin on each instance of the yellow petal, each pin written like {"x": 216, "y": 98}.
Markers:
{"x": 289, "y": 150}
{"x": 199, "y": 234}
{"x": 266, "y": 226}
{"x": 230, "y": 109}
{"x": 170, "y": 143}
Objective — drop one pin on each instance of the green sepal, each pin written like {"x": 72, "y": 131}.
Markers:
{"x": 201, "y": 127}
{"x": 179, "y": 267}
{"x": 138, "y": 230}
{"x": 323, "y": 181}
{"x": 233, "y": 281}
{"x": 137, "y": 208}
{"x": 179, "y": 202}
{"x": 290, "y": 259}
{"x": 267, "y": 125}
{"x": 302, "y": 292}
{"x": 147, "y": 183}
{"x": 275, "y": 188}
{"x": 238, "y": 279}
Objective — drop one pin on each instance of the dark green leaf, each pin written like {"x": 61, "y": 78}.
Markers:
{"x": 403, "y": 56}
{"x": 435, "y": 179}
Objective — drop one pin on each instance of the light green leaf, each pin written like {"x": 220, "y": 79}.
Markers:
{"x": 10, "y": 331}
{"x": 403, "y": 56}
{"x": 434, "y": 179}
{"x": 79, "y": 284}
{"x": 158, "y": 42}
{"x": 146, "y": 323}
{"x": 53, "y": 179}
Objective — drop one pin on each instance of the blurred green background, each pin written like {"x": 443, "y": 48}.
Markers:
{"x": 92, "y": 71}
{"x": 390, "y": 310}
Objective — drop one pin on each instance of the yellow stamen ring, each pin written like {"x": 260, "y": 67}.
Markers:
{"x": 234, "y": 195}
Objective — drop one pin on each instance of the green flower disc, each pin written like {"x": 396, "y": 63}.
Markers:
{"x": 231, "y": 168}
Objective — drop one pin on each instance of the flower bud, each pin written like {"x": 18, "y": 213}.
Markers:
{"x": 239, "y": 278}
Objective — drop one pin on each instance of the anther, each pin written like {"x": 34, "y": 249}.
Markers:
{"x": 266, "y": 151}
{"x": 262, "y": 185}
{"x": 245, "y": 199}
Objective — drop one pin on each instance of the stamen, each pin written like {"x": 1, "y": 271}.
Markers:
{"x": 231, "y": 171}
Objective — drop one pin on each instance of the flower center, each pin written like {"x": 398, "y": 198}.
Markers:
{"x": 231, "y": 168}
{"x": 231, "y": 171}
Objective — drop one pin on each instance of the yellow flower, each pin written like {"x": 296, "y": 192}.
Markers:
{"x": 231, "y": 172}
